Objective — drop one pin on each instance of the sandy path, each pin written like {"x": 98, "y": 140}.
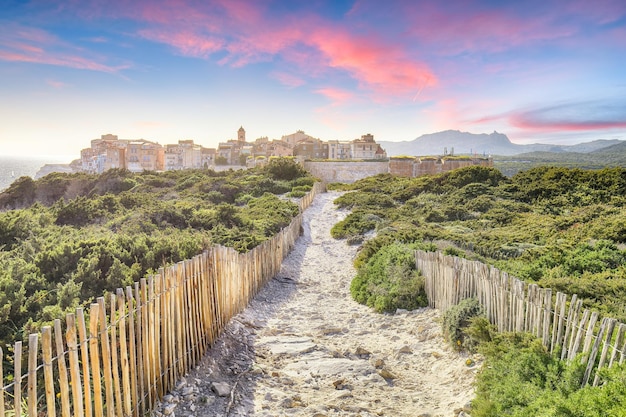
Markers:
{"x": 304, "y": 348}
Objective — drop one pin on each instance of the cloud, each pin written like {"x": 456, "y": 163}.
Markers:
{"x": 599, "y": 11}
{"x": 475, "y": 29}
{"x": 239, "y": 33}
{"x": 187, "y": 43}
{"x": 335, "y": 95}
{"x": 569, "y": 117}
{"x": 32, "y": 45}
{"x": 381, "y": 67}
{"x": 544, "y": 121}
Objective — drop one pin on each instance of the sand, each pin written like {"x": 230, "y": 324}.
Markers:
{"x": 303, "y": 347}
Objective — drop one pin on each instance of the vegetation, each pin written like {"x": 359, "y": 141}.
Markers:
{"x": 519, "y": 377}
{"x": 389, "y": 280}
{"x": 66, "y": 239}
{"x": 562, "y": 228}
{"x": 457, "y": 319}
{"x": 557, "y": 227}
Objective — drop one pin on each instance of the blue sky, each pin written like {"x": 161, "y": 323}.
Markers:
{"x": 538, "y": 71}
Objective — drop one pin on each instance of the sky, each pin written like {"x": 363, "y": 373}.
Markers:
{"x": 539, "y": 71}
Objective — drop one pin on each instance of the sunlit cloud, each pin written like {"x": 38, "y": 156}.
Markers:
{"x": 380, "y": 67}
{"x": 490, "y": 31}
{"x": 600, "y": 11}
{"x": 240, "y": 33}
{"x": 187, "y": 43}
{"x": 335, "y": 95}
{"x": 569, "y": 117}
{"x": 31, "y": 45}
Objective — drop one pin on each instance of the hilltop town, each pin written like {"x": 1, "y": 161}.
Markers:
{"x": 139, "y": 154}
{"x": 331, "y": 161}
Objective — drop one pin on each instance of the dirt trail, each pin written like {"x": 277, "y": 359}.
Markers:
{"x": 304, "y": 348}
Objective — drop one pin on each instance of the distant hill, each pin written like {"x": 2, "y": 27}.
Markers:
{"x": 610, "y": 156}
{"x": 483, "y": 144}
{"x": 615, "y": 153}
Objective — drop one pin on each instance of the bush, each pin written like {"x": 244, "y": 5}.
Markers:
{"x": 457, "y": 319}
{"x": 389, "y": 280}
{"x": 296, "y": 194}
{"x": 285, "y": 169}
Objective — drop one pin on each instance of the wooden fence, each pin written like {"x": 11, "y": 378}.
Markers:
{"x": 130, "y": 348}
{"x": 513, "y": 305}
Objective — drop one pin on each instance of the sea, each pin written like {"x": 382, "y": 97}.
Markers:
{"x": 14, "y": 167}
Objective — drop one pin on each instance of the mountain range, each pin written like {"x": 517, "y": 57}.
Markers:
{"x": 457, "y": 142}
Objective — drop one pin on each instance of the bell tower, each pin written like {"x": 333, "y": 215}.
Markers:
{"x": 241, "y": 134}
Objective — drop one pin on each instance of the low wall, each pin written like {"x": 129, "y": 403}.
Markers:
{"x": 345, "y": 171}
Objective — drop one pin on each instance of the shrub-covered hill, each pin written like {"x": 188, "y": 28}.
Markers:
{"x": 561, "y": 228}
{"x": 68, "y": 238}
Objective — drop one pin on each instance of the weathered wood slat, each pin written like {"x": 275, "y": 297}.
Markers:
{"x": 133, "y": 351}
{"x": 619, "y": 340}
{"x": 568, "y": 325}
{"x": 547, "y": 317}
{"x": 610, "y": 326}
{"x": 579, "y": 335}
{"x": 117, "y": 389}
{"x": 17, "y": 378}
{"x": 72, "y": 347}
{"x": 105, "y": 348}
{"x": 574, "y": 326}
{"x": 94, "y": 359}
{"x": 124, "y": 353}
{"x": 84, "y": 356}
{"x": 2, "y": 389}
{"x": 33, "y": 347}
{"x": 48, "y": 373}
{"x": 63, "y": 381}
{"x": 594, "y": 352}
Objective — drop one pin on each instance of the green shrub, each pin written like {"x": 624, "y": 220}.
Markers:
{"x": 296, "y": 194}
{"x": 285, "y": 169}
{"x": 389, "y": 280}
{"x": 355, "y": 224}
{"x": 457, "y": 319}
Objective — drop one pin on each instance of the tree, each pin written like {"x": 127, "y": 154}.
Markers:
{"x": 221, "y": 160}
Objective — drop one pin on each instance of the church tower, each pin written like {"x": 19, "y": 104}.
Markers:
{"x": 241, "y": 134}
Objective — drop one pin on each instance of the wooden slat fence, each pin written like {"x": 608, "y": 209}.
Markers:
{"x": 513, "y": 305}
{"x": 132, "y": 346}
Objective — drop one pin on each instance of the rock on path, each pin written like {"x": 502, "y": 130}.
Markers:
{"x": 304, "y": 348}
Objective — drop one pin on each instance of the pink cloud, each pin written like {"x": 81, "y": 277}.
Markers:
{"x": 566, "y": 117}
{"x": 524, "y": 121}
{"x": 481, "y": 31}
{"x": 187, "y": 43}
{"x": 336, "y": 95}
{"x": 599, "y": 11}
{"x": 383, "y": 68}
{"x": 240, "y": 33}
{"x": 22, "y": 44}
